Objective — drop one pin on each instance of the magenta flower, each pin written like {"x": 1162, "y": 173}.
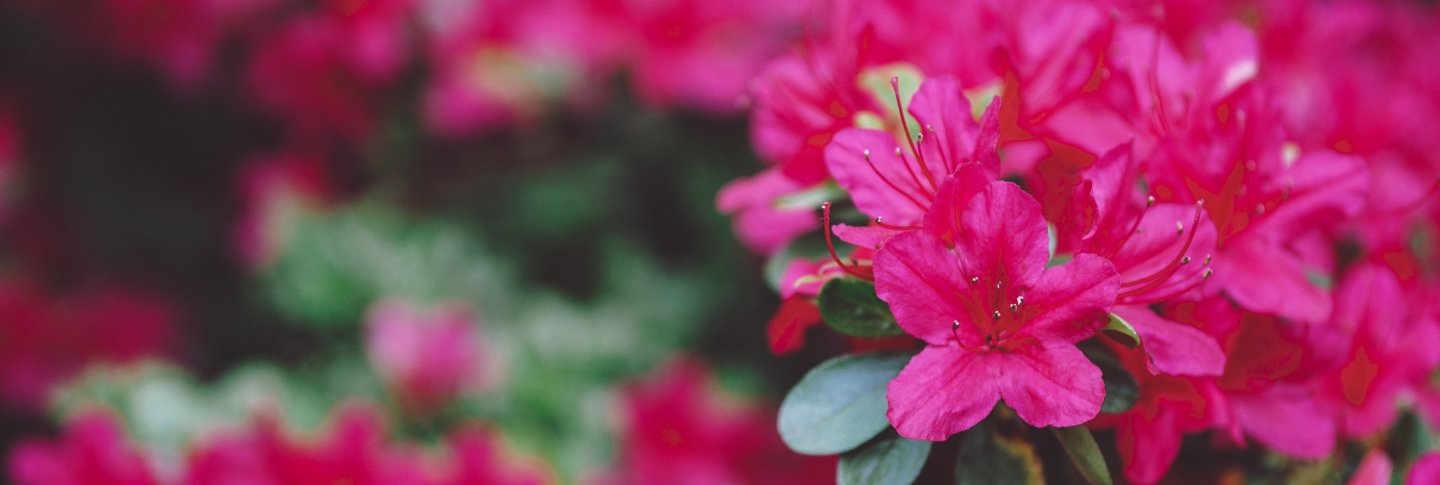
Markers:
{"x": 998, "y": 324}
{"x": 1148, "y": 435}
{"x": 92, "y": 449}
{"x": 760, "y": 222}
{"x": 426, "y": 357}
{"x": 1162, "y": 252}
{"x": 897, "y": 184}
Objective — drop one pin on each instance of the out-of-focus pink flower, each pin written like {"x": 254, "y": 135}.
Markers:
{"x": 354, "y": 447}
{"x": 1148, "y": 435}
{"x": 1374, "y": 469}
{"x": 325, "y": 72}
{"x": 10, "y": 157}
{"x": 1425, "y": 470}
{"x": 677, "y": 430}
{"x": 273, "y": 188}
{"x": 999, "y": 325}
{"x": 1270, "y": 384}
{"x": 45, "y": 340}
{"x": 761, "y": 223}
{"x": 92, "y": 449}
{"x": 1389, "y": 347}
{"x": 426, "y": 356}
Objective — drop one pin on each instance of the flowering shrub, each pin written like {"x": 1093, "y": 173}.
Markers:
{"x": 1121, "y": 218}
{"x": 513, "y": 241}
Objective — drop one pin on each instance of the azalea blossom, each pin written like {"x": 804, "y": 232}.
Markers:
{"x": 427, "y": 357}
{"x": 998, "y": 324}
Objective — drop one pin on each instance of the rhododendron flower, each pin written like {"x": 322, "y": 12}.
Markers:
{"x": 324, "y": 70}
{"x": 1148, "y": 435}
{"x": 998, "y": 324}
{"x": 1389, "y": 346}
{"x": 1425, "y": 470}
{"x": 677, "y": 429}
{"x": 425, "y": 356}
{"x": 1270, "y": 389}
{"x": 761, "y": 223}
{"x": 896, "y": 184}
{"x": 1162, "y": 252}
{"x": 799, "y": 105}
{"x": 1374, "y": 469}
{"x": 92, "y": 449}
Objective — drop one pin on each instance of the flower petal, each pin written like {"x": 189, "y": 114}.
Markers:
{"x": 945, "y": 390}
{"x": 1174, "y": 348}
{"x": 920, "y": 279}
{"x": 1050, "y": 385}
{"x": 885, "y": 185}
{"x": 1071, "y": 300}
{"x": 1003, "y": 236}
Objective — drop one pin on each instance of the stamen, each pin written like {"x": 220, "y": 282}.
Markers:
{"x": 996, "y": 315}
{"x": 1183, "y": 290}
{"x": 910, "y": 139}
{"x": 1134, "y": 227}
{"x": 974, "y": 279}
{"x": 892, "y": 185}
{"x": 892, "y": 227}
{"x": 829, "y": 244}
{"x": 1154, "y": 279}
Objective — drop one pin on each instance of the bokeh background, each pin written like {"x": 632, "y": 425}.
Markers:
{"x": 384, "y": 238}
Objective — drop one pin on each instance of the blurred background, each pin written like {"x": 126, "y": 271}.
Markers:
{"x": 377, "y": 240}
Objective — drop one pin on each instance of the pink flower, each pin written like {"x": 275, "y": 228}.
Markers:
{"x": 1388, "y": 348}
{"x": 323, "y": 72}
{"x": 1425, "y": 470}
{"x": 677, "y": 429}
{"x": 999, "y": 325}
{"x": 1374, "y": 469}
{"x": 1269, "y": 383}
{"x": 1148, "y": 435}
{"x": 1162, "y": 252}
{"x": 760, "y": 222}
{"x": 799, "y": 105}
{"x": 425, "y": 356}
{"x": 92, "y": 449}
{"x": 896, "y": 184}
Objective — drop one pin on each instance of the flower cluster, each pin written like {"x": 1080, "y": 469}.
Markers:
{"x": 1050, "y": 197}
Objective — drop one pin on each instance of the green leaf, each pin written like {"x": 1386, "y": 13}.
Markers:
{"x": 1084, "y": 453}
{"x": 986, "y": 458}
{"x": 889, "y": 459}
{"x": 1121, "y": 390}
{"x": 839, "y": 404}
{"x": 1122, "y": 331}
{"x": 849, "y": 306}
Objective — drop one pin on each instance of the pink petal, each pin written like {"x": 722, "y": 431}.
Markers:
{"x": 886, "y": 186}
{"x": 945, "y": 390}
{"x": 1265, "y": 278}
{"x": 1321, "y": 189}
{"x": 1374, "y": 470}
{"x": 1425, "y": 471}
{"x": 1174, "y": 348}
{"x": 1288, "y": 419}
{"x": 1003, "y": 235}
{"x": 1155, "y": 246}
{"x": 872, "y": 237}
{"x": 920, "y": 279}
{"x": 1071, "y": 300}
{"x": 1050, "y": 385}
{"x": 759, "y": 223}
{"x": 943, "y": 218}
{"x": 1147, "y": 444}
{"x": 944, "y": 115}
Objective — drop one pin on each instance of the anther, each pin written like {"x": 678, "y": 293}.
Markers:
{"x": 897, "y": 151}
{"x": 998, "y": 284}
{"x": 996, "y": 315}
{"x": 1185, "y": 260}
{"x": 1179, "y": 228}
{"x": 974, "y": 279}
{"x": 1207, "y": 260}
{"x": 866, "y": 152}
{"x": 1014, "y": 308}
{"x": 1149, "y": 201}
{"x": 1207, "y": 273}
{"x": 1020, "y": 300}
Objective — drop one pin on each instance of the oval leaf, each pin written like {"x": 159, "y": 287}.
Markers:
{"x": 987, "y": 458}
{"x": 1084, "y": 453}
{"x": 889, "y": 459}
{"x": 849, "y": 306}
{"x": 839, "y": 404}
